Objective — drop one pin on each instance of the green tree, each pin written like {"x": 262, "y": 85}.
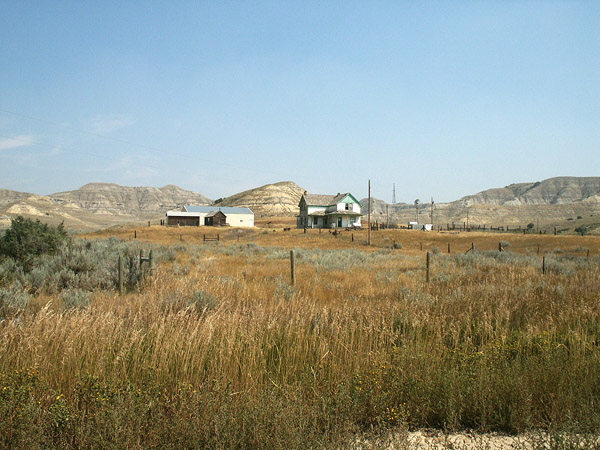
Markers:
{"x": 25, "y": 240}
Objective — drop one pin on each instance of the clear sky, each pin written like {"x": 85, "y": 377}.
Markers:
{"x": 442, "y": 98}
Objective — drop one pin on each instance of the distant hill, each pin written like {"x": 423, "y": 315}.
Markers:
{"x": 566, "y": 202}
{"x": 278, "y": 199}
{"x": 552, "y": 191}
{"x": 137, "y": 202}
{"x": 96, "y": 205}
{"x": 7, "y": 196}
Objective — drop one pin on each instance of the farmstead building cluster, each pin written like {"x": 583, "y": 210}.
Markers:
{"x": 329, "y": 211}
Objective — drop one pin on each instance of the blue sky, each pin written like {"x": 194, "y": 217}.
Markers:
{"x": 444, "y": 99}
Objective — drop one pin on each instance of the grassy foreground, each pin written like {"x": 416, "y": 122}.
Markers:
{"x": 217, "y": 350}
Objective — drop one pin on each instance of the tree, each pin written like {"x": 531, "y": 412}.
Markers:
{"x": 25, "y": 240}
{"x": 530, "y": 226}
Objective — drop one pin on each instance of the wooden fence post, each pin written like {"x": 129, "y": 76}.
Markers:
{"x": 121, "y": 287}
{"x": 543, "y": 265}
{"x": 428, "y": 265}
{"x": 293, "y": 266}
{"x": 134, "y": 234}
{"x": 142, "y": 259}
{"x": 353, "y": 241}
{"x": 448, "y": 247}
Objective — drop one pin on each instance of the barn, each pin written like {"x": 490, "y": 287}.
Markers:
{"x": 191, "y": 215}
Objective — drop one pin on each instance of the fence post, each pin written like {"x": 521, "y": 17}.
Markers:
{"x": 293, "y": 266}
{"x": 148, "y": 223}
{"x": 448, "y": 247}
{"x": 428, "y": 265}
{"x": 421, "y": 244}
{"x": 353, "y": 241}
{"x": 543, "y": 265}
{"x": 121, "y": 288}
{"x": 134, "y": 234}
{"x": 473, "y": 247}
{"x": 142, "y": 259}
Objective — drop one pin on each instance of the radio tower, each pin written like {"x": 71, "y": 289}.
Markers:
{"x": 394, "y": 195}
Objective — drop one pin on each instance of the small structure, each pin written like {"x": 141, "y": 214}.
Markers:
{"x": 418, "y": 226}
{"x": 211, "y": 216}
{"x": 329, "y": 211}
{"x": 215, "y": 219}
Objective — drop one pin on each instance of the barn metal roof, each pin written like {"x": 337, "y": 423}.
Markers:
{"x": 224, "y": 209}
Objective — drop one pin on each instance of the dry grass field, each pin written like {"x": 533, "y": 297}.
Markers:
{"x": 219, "y": 350}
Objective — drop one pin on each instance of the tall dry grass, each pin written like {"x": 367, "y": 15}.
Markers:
{"x": 222, "y": 352}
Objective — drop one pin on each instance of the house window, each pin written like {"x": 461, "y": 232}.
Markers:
{"x": 352, "y": 219}
{"x": 348, "y": 206}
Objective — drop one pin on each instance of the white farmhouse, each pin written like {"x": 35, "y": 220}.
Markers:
{"x": 329, "y": 211}
{"x": 211, "y": 216}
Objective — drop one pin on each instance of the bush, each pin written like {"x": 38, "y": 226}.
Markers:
{"x": 75, "y": 299}
{"x": 25, "y": 240}
{"x": 12, "y": 301}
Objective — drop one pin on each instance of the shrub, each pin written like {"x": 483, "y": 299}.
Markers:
{"x": 25, "y": 240}
{"x": 13, "y": 300}
{"x": 75, "y": 299}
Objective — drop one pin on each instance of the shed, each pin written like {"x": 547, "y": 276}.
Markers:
{"x": 197, "y": 215}
{"x": 215, "y": 219}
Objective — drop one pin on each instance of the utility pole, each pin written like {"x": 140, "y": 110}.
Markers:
{"x": 394, "y": 194}
{"x": 432, "y": 213}
{"x": 369, "y": 216}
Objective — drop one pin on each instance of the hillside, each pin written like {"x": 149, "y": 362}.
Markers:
{"x": 278, "y": 199}
{"x": 564, "y": 202}
{"x": 96, "y": 205}
{"x": 47, "y": 210}
{"x": 137, "y": 202}
{"x": 552, "y": 191}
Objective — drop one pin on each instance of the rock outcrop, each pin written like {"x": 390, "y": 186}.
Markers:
{"x": 553, "y": 191}
{"x": 278, "y": 199}
{"x": 136, "y": 202}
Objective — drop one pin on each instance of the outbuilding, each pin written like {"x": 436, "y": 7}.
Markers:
{"x": 211, "y": 216}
